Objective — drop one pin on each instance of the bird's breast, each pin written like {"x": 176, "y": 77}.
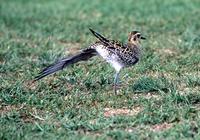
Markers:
{"x": 110, "y": 57}
{"x": 102, "y": 51}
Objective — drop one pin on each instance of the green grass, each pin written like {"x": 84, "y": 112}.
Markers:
{"x": 162, "y": 91}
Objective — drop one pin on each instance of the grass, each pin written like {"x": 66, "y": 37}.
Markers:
{"x": 159, "y": 98}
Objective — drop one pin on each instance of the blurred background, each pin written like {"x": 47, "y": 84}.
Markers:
{"x": 159, "y": 96}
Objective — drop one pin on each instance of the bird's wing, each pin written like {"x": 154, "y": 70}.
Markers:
{"x": 117, "y": 44}
{"x": 101, "y": 38}
{"x": 110, "y": 44}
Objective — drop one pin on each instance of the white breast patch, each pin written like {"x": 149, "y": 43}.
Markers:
{"x": 102, "y": 52}
{"x": 112, "y": 59}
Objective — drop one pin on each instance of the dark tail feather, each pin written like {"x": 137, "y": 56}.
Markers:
{"x": 100, "y": 37}
{"x": 59, "y": 65}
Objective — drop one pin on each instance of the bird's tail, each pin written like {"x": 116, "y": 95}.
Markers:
{"x": 59, "y": 65}
{"x": 100, "y": 37}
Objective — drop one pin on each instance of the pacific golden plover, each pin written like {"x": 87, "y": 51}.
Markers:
{"x": 119, "y": 55}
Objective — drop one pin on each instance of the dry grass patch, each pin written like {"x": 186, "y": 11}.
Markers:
{"x": 189, "y": 90}
{"x": 30, "y": 116}
{"x": 161, "y": 127}
{"x": 167, "y": 52}
{"x": 71, "y": 47}
{"x": 31, "y": 84}
{"x": 5, "y": 109}
{"x": 109, "y": 112}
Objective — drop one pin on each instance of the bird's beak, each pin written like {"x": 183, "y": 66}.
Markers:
{"x": 143, "y": 38}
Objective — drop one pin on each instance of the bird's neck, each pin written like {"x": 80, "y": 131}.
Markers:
{"x": 136, "y": 48}
{"x": 134, "y": 44}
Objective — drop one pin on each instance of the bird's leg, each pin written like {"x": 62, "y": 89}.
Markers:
{"x": 116, "y": 79}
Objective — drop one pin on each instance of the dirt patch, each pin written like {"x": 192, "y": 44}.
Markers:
{"x": 188, "y": 90}
{"x": 31, "y": 84}
{"x": 154, "y": 128}
{"x": 166, "y": 52}
{"x": 109, "y": 112}
{"x": 161, "y": 127}
{"x": 156, "y": 74}
{"x": 4, "y": 109}
{"x": 28, "y": 114}
{"x": 71, "y": 47}
{"x": 149, "y": 95}
{"x": 152, "y": 95}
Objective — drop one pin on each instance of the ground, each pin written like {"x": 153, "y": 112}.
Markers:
{"x": 159, "y": 97}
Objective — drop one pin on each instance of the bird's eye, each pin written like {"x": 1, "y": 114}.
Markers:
{"x": 138, "y": 35}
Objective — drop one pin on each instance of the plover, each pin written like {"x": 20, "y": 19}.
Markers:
{"x": 118, "y": 54}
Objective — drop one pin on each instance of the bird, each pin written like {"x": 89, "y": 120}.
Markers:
{"x": 118, "y": 54}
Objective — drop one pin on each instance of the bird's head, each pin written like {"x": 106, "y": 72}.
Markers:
{"x": 134, "y": 37}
